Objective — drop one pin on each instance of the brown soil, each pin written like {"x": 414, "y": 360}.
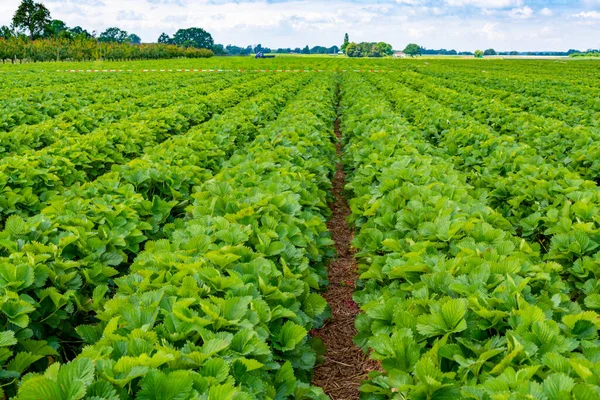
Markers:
{"x": 345, "y": 365}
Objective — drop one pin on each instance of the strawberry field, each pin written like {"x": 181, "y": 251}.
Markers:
{"x": 168, "y": 233}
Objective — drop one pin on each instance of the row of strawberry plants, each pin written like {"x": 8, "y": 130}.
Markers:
{"x": 109, "y": 109}
{"x": 454, "y": 304}
{"x": 544, "y": 202}
{"x": 26, "y": 105}
{"x": 574, "y": 85}
{"x": 21, "y": 86}
{"x": 57, "y": 266}
{"x": 570, "y": 114}
{"x": 29, "y": 180}
{"x": 577, "y": 91}
{"x": 576, "y": 147}
{"x": 220, "y": 309}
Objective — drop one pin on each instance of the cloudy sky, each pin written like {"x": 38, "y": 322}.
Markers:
{"x": 459, "y": 24}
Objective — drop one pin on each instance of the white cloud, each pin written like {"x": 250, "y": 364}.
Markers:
{"x": 296, "y": 23}
{"x": 521, "y": 13}
{"x": 587, "y": 15}
{"x": 546, "y": 12}
{"x": 491, "y": 32}
{"x": 485, "y": 3}
{"x": 130, "y": 16}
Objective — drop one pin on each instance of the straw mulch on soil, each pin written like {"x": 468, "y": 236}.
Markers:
{"x": 345, "y": 365}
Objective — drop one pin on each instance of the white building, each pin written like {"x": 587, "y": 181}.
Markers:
{"x": 399, "y": 54}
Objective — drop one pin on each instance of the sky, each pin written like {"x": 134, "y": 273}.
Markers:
{"x": 464, "y": 25}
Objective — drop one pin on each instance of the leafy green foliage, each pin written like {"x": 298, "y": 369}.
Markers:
{"x": 156, "y": 249}
{"x": 456, "y": 305}
{"x": 31, "y": 17}
{"x": 204, "y": 288}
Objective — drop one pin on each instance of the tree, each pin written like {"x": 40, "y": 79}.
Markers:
{"x": 346, "y": 42}
{"x": 134, "y": 39}
{"x": 490, "y": 52}
{"x": 237, "y": 51}
{"x": 55, "y": 28}
{"x": 306, "y": 50}
{"x": 79, "y": 31}
{"x": 31, "y": 17}
{"x": 413, "y": 50}
{"x": 219, "y": 50}
{"x": 383, "y": 49}
{"x": 6, "y": 32}
{"x": 113, "y": 35}
{"x": 164, "y": 38}
{"x": 197, "y": 37}
{"x": 352, "y": 50}
{"x": 319, "y": 50}
{"x": 478, "y": 54}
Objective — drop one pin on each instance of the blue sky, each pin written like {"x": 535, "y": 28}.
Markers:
{"x": 460, "y": 24}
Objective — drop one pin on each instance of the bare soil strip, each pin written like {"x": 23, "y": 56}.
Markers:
{"x": 345, "y": 364}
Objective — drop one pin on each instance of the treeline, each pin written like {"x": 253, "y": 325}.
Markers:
{"x": 589, "y": 53}
{"x": 231, "y": 50}
{"x": 35, "y": 36}
{"x": 444, "y": 52}
{"x": 23, "y": 49}
{"x": 491, "y": 52}
{"x": 368, "y": 49}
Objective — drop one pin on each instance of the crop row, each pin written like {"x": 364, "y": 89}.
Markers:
{"x": 58, "y": 265}
{"x": 552, "y": 207}
{"x": 109, "y": 109}
{"x": 554, "y": 108}
{"x": 27, "y": 105}
{"x": 29, "y": 180}
{"x": 455, "y": 305}
{"x": 220, "y": 308}
{"x": 576, "y": 147}
{"x": 572, "y": 83}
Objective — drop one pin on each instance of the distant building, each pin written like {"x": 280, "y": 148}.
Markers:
{"x": 341, "y": 53}
{"x": 399, "y": 54}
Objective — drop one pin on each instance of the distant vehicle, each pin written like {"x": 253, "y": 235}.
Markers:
{"x": 262, "y": 55}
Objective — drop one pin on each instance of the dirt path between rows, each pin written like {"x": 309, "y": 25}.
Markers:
{"x": 345, "y": 364}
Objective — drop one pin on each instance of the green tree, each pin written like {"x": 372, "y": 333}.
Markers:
{"x": 478, "y": 54}
{"x": 6, "y": 32}
{"x": 164, "y": 38}
{"x": 55, "y": 28}
{"x": 383, "y": 49}
{"x": 413, "y": 50}
{"x": 79, "y": 31}
{"x": 194, "y": 37}
{"x": 31, "y": 17}
{"x": 346, "y": 42}
{"x": 306, "y": 50}
{"x": 219, "y": 50}
{"x": 113, "y": 35}
{"x": 490, "y": 52}
{"x": 134, "y": 39}
{"x": 352, "y": 50}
